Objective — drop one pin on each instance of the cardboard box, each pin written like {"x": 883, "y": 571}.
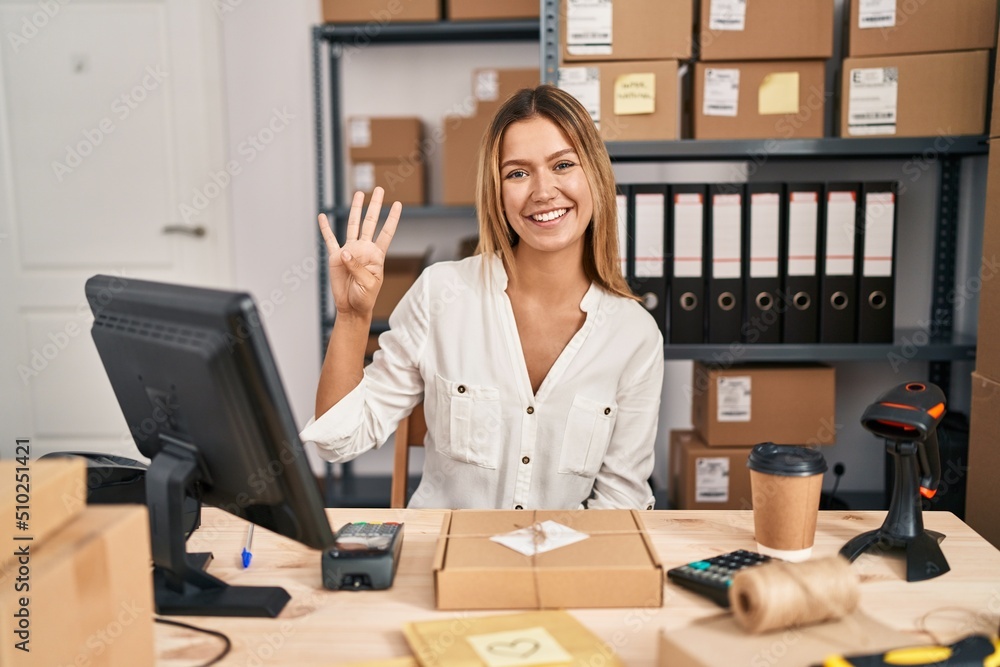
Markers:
{"x": 381, "y": 12}
{"x": 988, "y": 348}
{"x": 938, "y": 94}
{"x": 46, "y": 495}
{"x": 460, "y": 158}
{"x": 627, "y": 30}
{"x": 633, "y": 101}
{"x": 926, "y": 26}
{"x": 403, "y": 180}
{"x": 91, "y": 594}
{"x": 766, "y": 30}
{"x": 399, "y": 274}
{"x": 707, "y": 478}
{"x": 982, "y": 503}
{"x": 781, "y": 99}
{"x": 618, "y": 570}
{"x": 719, "y": 640}
{"x": 380, "y": 138}
{"x": 744, "y": 405}
{"x": 492, "y": 87}
{"x": 477, "y": 10}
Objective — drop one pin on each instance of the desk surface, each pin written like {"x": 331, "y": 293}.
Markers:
{"x": 321, "y": 627}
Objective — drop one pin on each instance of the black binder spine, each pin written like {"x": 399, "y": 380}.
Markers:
{"x": 877, "y": 298}
{"x": 799, "y": 298}
{"x": 725, "y": 253}
{"x": 838, "y": 275}
{"x": 648, "y": 215}
{"x": 762, "y": 265}
{"x": 686, "y": 262}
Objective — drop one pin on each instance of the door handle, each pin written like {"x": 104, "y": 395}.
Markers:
{"x": 195, "y": 230}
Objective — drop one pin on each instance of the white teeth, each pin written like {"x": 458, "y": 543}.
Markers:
{"x": 551, "y": 215}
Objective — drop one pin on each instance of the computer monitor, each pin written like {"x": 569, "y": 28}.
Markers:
{"x": 193, "y": 374}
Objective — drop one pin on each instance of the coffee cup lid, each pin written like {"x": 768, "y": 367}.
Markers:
{"x": 786, "y": 460}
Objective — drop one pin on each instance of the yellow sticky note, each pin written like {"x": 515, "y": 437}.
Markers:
{"x": 778, "y": 94}
{"x": 635, "y": 94}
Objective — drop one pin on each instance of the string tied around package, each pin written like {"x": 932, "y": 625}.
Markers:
{"x": 780, "y": 595}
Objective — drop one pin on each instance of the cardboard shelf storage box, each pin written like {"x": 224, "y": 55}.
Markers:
{"x": 766, "y": 30}
{"x": 402, "y": 180}
{"x": 91, "y": 597}
{"x": 477, "y": 10}
{"x": 787, "y": 404}
{"x": 380, "y": 11}
{"x": 926, "y": 26}
{"x": 620, "y": 569}
{"x": 982, "y": 504}
{"x": 631, "y": 101}
{"x": 626, "y": 30}
{"x": 384, "y": 137}
{"x": 778, "y": 99}
{"x": 707, "y": 478}
{"x": 926, "y": 95}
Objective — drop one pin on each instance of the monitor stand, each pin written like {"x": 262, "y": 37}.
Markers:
{"x": 180, "y": 584}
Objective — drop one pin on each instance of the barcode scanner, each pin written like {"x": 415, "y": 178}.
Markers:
{"x": 907, "y": 417}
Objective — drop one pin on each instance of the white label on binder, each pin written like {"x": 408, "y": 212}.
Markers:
{"x": 583, "y": 83}
{"x": 727, "y": 15}
{"x": 588, "y": 27}
{"x": 360, "y": 132}
{"x": 876, "y": 13}
{"x": 764, "y": 216}
{"x": 840, "y": 223}
{"x": 649, "y": 229}
{"x": 803, "y": 211}
{"x": 722, "y": 92}
{"x": 727, "y": 224}
{"x": 871, "y": 106}
{"x": 688, "y": 235}
{"x": 622, "y": 202}
{"x": 733, "y": 395}
{"x": 364, "y": 176}
{"x": 879, "y": 215}
{"x": 487, "y": 85}
{"x": 711, "y": 479}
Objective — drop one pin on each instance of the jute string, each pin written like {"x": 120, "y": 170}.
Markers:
{"x": 782, "y": 595}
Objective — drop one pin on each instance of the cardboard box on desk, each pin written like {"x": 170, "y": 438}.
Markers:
{"x": 707, "y": 478}
{"x": 927, "y": 95}
{"x": 91, "y": 594}
{"x": 982, "y": 502}
{"x": 384, "y": 138}
{"x": 927, "y": 26}
{"x": 476, "y": 10}
{"x": 620, "y": 569}
{"x": 787, "y": 404}
{"x": 774, "y": 99}
{"x": 380, "y": 11}
{"x": 46, "y": 495}
{"x": 766, "y": 30}
{"x": 627, "y": 30}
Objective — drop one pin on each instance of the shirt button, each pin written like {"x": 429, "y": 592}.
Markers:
{"x": 461, "y": 388}
{"x": 531, "y": 410}
{"x": 525, "y": 459}
{"x": 518, "y": 507}
{"x": 607, "y": 411}
{"x": 649, "y": 507}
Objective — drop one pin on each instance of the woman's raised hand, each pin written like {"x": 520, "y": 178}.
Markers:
{"x": 356, "y": 268}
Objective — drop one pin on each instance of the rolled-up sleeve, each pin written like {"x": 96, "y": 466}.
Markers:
{"x": 391, "y": 387}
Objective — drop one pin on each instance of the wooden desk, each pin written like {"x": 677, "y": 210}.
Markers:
{"x": 321, "y": 627}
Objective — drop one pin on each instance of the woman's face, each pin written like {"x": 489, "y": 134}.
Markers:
{"x": 545, "y": 193}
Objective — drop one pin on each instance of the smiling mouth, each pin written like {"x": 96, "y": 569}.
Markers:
{"x": 549, "y": 216}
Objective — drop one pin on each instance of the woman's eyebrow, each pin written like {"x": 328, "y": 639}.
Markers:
{"x": 547, "y": 159}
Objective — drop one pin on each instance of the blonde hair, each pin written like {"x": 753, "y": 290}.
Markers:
{"x": 601, "y": 263}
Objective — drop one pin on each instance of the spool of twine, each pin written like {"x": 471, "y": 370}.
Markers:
{"x": 780, "y": 595}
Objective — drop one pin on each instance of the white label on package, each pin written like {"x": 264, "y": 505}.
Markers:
{"x": 879, "y": 216}
{"x": 733, "y": 398}
{"x": 803, "y": 211}
{"x": 364, "y": 176}
{"x": 540, "y": 538}
{"x": 765, "y": 214}
{"x": 871, "y": 107}
{"x": 722, "y": 92}
{"x": 727, "y": 15}
{"x": 841, "y": 208}
{"x": 727, "y": 240}
{"x": 711, "y": 479}
{"x": 361, "y": 132}
{"x": 487, "y": 85}
{"x": 688, "y": 233}
{"x": 876, "y": 13}
{"x": 588, "y": 27}
{"x": 583, "y": 83}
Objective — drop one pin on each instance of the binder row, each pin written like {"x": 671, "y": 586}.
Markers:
{"x": 763, "y": 262}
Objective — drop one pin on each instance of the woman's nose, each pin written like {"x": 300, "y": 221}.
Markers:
{"x": 544, "y": 187}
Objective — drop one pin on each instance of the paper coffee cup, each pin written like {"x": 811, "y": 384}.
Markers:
{"x": 785, "y": 483}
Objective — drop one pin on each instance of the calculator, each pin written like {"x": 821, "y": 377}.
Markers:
{"x": 712, "y": 577}
{"x": 364, "y": 556}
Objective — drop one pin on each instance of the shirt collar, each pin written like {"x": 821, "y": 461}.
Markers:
{"x": 498, "y": 276}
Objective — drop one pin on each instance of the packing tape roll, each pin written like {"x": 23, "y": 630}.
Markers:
{"x": 780, "y": 595}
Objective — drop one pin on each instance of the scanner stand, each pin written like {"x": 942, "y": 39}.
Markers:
{"x": 180, "y": 584}
{"x": 903, "y": 528}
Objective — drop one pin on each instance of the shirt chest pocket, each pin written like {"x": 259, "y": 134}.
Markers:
{"x": 468, "y": 422}
{"x": 588, "y": 433}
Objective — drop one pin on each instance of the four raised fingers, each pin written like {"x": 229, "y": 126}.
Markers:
{"x": 365, "y": 232}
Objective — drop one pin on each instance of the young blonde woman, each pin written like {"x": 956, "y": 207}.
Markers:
{"x": 539, "y": 371}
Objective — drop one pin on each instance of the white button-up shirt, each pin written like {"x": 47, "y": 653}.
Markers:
{"x": 584, "y": 440}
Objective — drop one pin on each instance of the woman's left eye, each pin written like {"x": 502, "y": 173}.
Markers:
{"x": 565, "y": 164}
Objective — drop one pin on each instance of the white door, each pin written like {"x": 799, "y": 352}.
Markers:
{"x": 111, "y": 161}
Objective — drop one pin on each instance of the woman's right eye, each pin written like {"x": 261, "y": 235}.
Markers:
{"x": 517, "y": 173}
